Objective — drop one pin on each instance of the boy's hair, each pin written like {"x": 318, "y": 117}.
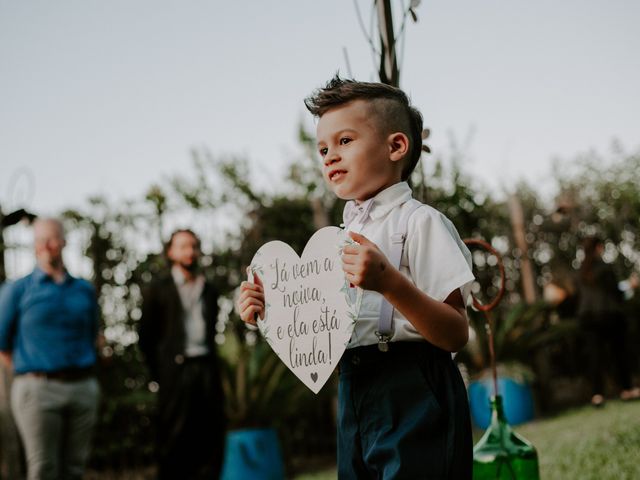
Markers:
{"x": 390, "y": 105}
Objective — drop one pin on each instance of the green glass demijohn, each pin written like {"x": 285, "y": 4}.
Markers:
{"x": 502, "y": 454}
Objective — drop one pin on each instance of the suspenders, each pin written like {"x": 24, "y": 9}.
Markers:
{"x": 385, "y": 329}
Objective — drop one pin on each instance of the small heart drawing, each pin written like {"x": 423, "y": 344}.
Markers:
{"x": 310, "y": 310}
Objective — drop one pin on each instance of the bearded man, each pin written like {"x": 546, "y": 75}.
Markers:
{"x": 177, "y": 338}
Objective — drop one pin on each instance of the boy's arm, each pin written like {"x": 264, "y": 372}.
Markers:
{"x": 444, "y": 324}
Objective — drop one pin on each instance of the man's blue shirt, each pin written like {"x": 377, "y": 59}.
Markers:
{"x": 48, "y": 326}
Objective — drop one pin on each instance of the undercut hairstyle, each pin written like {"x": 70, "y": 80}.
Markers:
{"x": 167, "y": 245}
{"x": 389, "y": 105}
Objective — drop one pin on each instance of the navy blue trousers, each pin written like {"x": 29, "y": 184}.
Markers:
{"x": 402, "y": 414}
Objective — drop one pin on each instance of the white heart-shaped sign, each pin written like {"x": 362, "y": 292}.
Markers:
{"x": 310, "y": 308}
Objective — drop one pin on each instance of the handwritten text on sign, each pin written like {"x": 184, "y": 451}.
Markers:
{"x": 310, "y": 309}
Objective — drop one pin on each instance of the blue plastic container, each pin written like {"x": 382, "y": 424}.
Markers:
{"x": 252, "y": 454}
{"x": 516, "y": 397}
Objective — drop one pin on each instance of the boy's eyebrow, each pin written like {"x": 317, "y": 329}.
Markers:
{"x": 338, "y": 133}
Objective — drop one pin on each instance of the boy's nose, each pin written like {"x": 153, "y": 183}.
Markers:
{"x": 331, "y": 158}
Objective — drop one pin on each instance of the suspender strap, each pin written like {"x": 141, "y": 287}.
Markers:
{"x": 385, "y": 330}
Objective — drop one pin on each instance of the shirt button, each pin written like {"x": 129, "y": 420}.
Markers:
{"x": 355, "y": 360}
{"x": 179, "y": 359}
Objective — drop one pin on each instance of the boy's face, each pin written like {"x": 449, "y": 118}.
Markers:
{"x": 356, "y": 155}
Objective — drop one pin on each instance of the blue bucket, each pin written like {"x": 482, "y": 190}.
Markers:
{"x": 254, "y": 454}
{"x": 516, "y": 398}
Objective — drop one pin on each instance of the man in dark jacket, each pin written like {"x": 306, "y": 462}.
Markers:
{"x": 177, "y": 332}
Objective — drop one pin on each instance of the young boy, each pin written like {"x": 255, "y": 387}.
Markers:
{"x": 402, "y": 405}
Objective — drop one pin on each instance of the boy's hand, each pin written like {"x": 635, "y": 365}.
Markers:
{"x": 365, "y": 265}
{"x": 251, "y": 301}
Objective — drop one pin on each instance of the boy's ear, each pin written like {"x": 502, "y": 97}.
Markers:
{"x": 398, "y": 146}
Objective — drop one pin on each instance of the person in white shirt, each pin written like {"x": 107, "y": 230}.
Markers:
{"x": 402, "y": 404}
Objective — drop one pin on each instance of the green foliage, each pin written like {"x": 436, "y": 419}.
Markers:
{"x": 124, "y": 435}
{"x": 589, "y": 444}
{"x": 516, "y": 333}
{"x": 257, "y": 384}
{"x": 250, "y": 382}
{"x": 594, "y": 195}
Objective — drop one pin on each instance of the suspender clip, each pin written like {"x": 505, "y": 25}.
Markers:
{"x": 398, "y": 238}
{"x": 383, "y": 341}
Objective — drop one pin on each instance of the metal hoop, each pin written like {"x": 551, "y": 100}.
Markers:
{"x": 496, "y": 300}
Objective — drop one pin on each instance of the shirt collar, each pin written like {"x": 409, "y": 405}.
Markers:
{"x": 179, "y": 277}
{"x": 390, "y": 198}
{"x": 358, "y": 212}
{"x": 40, "y": 276}
{"x": 378, "y": 206}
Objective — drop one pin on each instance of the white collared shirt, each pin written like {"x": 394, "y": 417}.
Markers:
{"x": 195, "y": 328}
{"x": 435, "y": 259}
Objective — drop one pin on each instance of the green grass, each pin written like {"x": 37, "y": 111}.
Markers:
{"x": 583, "y": 443}
{"x": 588, "y": 443}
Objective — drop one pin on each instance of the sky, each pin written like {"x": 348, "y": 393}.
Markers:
{"x": 109, "y": 97}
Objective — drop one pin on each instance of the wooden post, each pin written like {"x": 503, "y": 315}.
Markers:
{"x": 526, "y": 269}
{"x": 389, "y": 72}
